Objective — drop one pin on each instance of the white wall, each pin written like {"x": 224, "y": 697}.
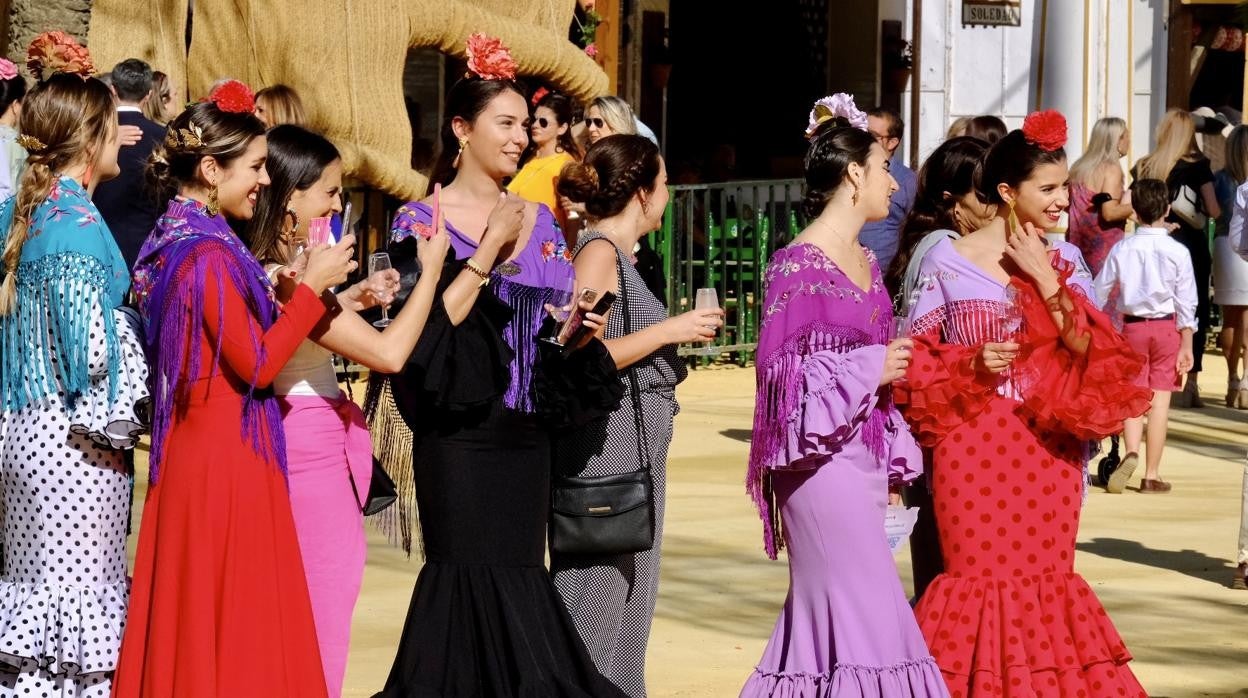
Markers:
{"x": 1092, "y": 67}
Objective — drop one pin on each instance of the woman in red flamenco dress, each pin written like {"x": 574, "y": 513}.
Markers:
{"x": 1014, "y": 370}
{"x": 219, "y": 603}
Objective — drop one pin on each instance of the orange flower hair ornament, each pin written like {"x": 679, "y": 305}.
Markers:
{"x": 57, "y": 52}
{"x": 234, "y": 97}
{"x": 489, "y": 59}
{"x": 1045, "y": 129}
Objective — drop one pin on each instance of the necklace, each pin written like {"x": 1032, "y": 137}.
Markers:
{"x": 854, "y": 250}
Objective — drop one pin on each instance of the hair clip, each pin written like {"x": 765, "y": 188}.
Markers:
{"x": 189, "y": 138}
{"x": 31, "y": 144}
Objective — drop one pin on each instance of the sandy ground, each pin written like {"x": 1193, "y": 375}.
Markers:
{"x": 1161, "y": 564}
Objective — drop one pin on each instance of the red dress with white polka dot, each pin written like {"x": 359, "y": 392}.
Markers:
{"x": 1010, "y": 617}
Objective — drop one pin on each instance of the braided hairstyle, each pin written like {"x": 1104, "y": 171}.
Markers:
{"x": 71, "y": 118}
{"x": 614, "y": 170}
{"x": 202, "y": 130}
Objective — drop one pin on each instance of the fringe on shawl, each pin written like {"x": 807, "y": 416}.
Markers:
{"x": 57, "y": 295}
{"x": 779, "y": 395}
{"x": 392, "y": 444}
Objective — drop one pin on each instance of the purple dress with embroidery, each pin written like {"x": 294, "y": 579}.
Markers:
{"x": 827, "y": 443}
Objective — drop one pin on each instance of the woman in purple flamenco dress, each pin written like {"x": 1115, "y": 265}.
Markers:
{"x": 828, "y": 443}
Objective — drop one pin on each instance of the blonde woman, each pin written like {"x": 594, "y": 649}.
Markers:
{"x": 161, "y": 105}
{"x": 280, "y": 104}
{"x": 1178, "y": 161}
{"x": 1099, "y": 202}
{"x": 610, "y": 115}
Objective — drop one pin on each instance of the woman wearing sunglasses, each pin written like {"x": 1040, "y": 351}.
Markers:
{"x": 552, "y": 148}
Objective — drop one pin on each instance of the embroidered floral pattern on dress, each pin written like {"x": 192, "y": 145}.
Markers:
{"x": 552, "y": 250}
{"x": 796, "y": 258}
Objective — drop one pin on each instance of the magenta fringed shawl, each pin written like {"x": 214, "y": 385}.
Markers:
{"x": 811, "y": 306}
{"x": 169, "y": 280}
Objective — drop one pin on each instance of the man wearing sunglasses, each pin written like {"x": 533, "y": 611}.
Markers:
{"x": 881, "y": 236}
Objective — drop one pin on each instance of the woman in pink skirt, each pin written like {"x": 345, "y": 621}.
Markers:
{"x": 328, "y": 449}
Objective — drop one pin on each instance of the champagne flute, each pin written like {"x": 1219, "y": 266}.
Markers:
{"x": 707, "y": 299}
{"x": 380, "y": 261}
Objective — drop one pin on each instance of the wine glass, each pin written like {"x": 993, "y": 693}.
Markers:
{"x": 380, "y": 261}
{"x": 707, "y": 299}
{"x": 1011, "y": 319}
{"x": 561, "y": 307}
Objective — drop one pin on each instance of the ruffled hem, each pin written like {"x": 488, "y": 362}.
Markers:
{"x": 905, "y": 458}
{"x": 915, "y": 679}
{"x": 1089, "y": 394}
{"x": 840, "y": 393}
{"x": 941, "y": 391}
{"x": 117, "y": 423}
{"x": 66, "y": 630}
{"x": 576, "y": 390}
{"x": 1030, "y": 634}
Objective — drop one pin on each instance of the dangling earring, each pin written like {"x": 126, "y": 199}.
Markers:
{"x": 294, "y": 217}
{"x": 1013, "y": 220}
{"x": 463, "y": 143}
{"x": 855, "y": 197}
{"x": 213, "y": 205}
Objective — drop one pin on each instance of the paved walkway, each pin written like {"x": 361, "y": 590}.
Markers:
{"x": 1160, "y": 563}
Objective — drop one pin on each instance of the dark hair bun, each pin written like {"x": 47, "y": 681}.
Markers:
{"x": 578, "y": 181}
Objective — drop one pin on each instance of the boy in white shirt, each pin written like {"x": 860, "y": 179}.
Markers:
{"x": 1157, "y": 297}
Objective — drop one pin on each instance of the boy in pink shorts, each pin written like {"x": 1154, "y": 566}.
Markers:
{"x": 1157, "y": 298}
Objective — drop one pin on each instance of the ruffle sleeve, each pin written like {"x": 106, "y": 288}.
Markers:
{"x": 577, "y": 389}
{"x": 839, "y": 393}
{"x": 456, "y": 367}
{"x": 941, "y": 390}
{"x": 1086, "y": 393}
{"x": 905, "y": 458}
{"x": 116, "y": 423}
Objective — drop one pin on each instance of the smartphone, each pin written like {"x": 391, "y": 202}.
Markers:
{"x": 565, "y": 326}
{"x": 575, "y": 331}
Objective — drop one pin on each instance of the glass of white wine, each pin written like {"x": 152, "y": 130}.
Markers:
{"x": 380, "y": 261}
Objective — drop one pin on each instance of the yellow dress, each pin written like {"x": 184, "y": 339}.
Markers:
{"x": 537, "y": 179}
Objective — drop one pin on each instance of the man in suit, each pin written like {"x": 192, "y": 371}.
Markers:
{"x": 126, "y": 202}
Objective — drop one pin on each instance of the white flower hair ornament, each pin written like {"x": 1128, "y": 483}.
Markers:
{"x": 837, "y": 106}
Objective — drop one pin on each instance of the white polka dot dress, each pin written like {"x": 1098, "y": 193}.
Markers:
{"x": 64, "y": 588}
{"x": 611, "y": 598}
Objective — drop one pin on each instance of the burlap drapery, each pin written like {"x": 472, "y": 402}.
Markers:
{"x": 345, "y": 58}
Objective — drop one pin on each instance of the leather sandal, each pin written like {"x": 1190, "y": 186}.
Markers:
{"x": 1154, "y": 486}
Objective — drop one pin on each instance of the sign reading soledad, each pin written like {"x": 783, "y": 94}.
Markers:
{"x": 993, "y": 13}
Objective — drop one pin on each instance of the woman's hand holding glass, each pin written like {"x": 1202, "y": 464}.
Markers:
{"x": 896, "y": 360}
{"x": 694, "y": 326}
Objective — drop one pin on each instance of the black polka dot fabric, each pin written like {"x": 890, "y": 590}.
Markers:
{"x": 64, "y": 589}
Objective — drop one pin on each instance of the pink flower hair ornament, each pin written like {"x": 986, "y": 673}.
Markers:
{"x": 838, "y": 106}
{"x": 489, "y": 59}
{"x": 8, "y": 70}
{"x": 57, "y": 52}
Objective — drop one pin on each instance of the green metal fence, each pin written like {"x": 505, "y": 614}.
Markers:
{"x": 720, "y": 236}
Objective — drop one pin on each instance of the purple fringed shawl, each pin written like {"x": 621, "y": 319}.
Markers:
{"x": 811, "y": 306}
{"x": 187, "y": 246}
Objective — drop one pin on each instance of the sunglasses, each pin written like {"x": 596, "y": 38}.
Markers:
{"x": 542, "y": 121}
{"x": 595, "y": 122}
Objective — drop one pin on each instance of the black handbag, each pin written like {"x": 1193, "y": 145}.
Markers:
{"x": 381, "y": 490}
{"x": 607, "y": 514}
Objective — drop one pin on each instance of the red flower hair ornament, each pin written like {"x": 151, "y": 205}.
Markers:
{"x": 1045, "y": 129}
{"x": 57, "y": 52}
{"x": 234, "y": 97}
{"x": 489, "y": 59}
{"x": 539, "y": 94}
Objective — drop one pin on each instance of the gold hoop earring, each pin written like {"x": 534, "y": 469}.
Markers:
{"x": 213, "y": 205}
{"x": 294, "y": 218}
{"x": 463, "y": 143}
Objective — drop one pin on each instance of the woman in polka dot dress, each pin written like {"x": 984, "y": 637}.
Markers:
{"x": 1013, "y": 370}
{"x": 65, "y": 496}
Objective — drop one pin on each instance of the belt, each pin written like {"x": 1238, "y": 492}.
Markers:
{"x": 1128, "y": 319}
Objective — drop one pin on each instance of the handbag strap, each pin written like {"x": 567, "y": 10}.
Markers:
{"x": 635, "y": 388}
